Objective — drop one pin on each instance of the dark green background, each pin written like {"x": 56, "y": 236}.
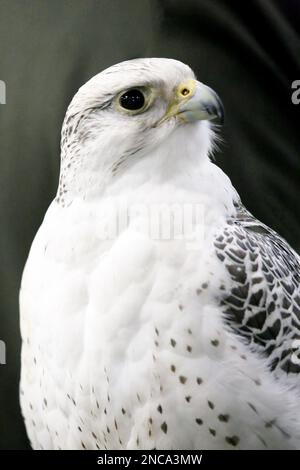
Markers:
{"x": 249, "y": 51}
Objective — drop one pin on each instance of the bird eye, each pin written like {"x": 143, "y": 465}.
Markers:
{"x": 132, "y": 100}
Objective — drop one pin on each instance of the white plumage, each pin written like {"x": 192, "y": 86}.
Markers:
{"x": 139, "y": 342}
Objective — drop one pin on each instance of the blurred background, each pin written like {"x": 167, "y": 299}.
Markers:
{"x": 249, "y": 52}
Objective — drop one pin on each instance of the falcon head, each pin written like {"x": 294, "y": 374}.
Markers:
{"x": 138, "y": 111}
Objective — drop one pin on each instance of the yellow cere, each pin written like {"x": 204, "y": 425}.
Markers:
{"x": 183, "y": 92}
{"x": 187, "y": 89}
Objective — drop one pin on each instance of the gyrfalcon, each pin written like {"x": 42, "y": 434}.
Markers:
{"x": 156, "y": 312}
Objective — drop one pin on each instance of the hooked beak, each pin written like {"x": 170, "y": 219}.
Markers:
{"x": 195, "y": 101}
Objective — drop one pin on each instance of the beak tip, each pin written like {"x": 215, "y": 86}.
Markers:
{"x": 216, "y": 111}
{"x": 221, "y": 115}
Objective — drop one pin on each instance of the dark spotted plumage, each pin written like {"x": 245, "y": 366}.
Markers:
{"x": 263, "y": 305}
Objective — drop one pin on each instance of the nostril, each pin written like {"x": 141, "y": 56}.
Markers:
{"x": 185, "y": 91}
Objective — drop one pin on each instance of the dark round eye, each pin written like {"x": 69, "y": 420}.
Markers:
{"x": 132, "y": 100}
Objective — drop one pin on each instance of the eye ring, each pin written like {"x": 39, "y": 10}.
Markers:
{"x": 132, "y": 100}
